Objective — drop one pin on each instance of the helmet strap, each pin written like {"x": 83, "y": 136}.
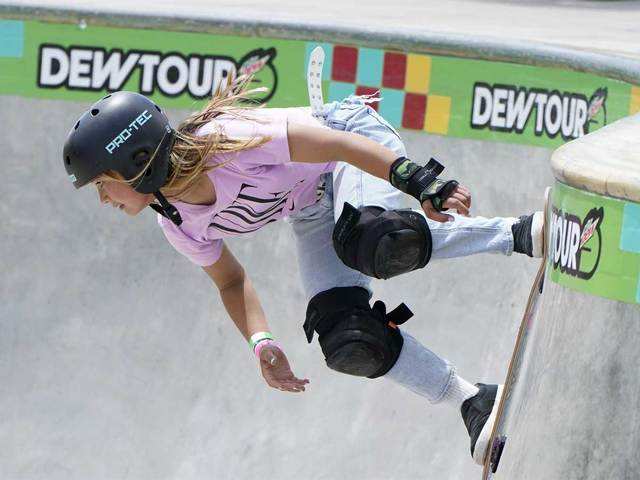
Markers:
{"x": 166, "y": 209}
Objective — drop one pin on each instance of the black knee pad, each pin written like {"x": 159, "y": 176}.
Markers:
{"x": 355, "y": 338}
{"x": 382, "y": 243}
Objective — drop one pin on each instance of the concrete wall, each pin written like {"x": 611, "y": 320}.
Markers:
{"x": 118, "y": 359}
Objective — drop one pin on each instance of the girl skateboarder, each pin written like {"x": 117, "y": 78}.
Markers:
{"x": 339, "y": 182}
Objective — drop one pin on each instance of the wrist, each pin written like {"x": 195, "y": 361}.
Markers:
{"x": 422, "y": 182}
{"x": 258, "y": 338}
{"x": 265, "y": 344}
{"x": 401, "y": 171}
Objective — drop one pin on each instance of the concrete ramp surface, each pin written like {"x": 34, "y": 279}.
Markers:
{"x": 117, "y": 358}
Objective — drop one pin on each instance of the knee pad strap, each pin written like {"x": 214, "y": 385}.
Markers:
{"x": 355, "y": 338}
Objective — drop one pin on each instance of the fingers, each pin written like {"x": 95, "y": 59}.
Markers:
{"x": 285, "y": 381}
{"x": 458, "y": 203}
{"x": 277, "y": 372}
{"x": 433, "y": 214}
{"x": 459, "y": 200}
{"x": 296, "y": 386}
{"x": 466, "y": 192}
{"x": 292, "y": 388}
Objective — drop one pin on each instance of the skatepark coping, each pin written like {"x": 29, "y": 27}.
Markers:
{"x": 458, "y": 45}
{"x": 606, "y": 161}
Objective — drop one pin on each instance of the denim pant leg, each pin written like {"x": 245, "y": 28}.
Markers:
{"x": 460, "y": 237}
{"x": 320, "y": 268}
{"x": 417, "y": 368}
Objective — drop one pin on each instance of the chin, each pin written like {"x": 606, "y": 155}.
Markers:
{"x": 132, "y": 211}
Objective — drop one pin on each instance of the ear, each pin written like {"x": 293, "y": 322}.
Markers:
{"x": 141, "y": 158}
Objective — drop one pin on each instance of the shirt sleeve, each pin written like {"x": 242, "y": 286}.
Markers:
{"x": 274, "y": 152}
{"x": 202, "y": 254}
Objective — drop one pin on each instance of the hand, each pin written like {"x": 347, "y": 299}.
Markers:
{"x": 459, "y": 200}
{"x": 277, "y": 372}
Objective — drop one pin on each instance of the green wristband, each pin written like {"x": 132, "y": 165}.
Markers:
{"x": 258, "y": 337}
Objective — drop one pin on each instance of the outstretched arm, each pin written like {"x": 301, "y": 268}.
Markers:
{"x": 241, "y": 302}
{"x": 312, "y": 144}
{"x": 317, "y": 145}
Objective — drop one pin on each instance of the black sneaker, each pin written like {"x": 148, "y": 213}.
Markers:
{"x": 528, "y": 234}
{"x": 479, "y": 415}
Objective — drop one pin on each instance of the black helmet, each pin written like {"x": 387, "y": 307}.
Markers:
{"x": 121, "y": 132}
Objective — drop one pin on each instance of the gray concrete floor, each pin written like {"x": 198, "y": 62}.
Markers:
{"x": 118, "y": 360}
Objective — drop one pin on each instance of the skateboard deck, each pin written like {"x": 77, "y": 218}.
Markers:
{"x": 498, "y": 440}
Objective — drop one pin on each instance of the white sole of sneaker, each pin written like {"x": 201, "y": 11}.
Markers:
{"x": 537, "y": 229}
{"x": 482, "y": 444}
{"x": 537, "y": 235}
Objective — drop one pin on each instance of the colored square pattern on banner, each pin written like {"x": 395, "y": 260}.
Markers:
{"x": 345, "y": 64}
{"x": 370, "y": 65}
{"x": 403, "y": 80}
{"x": 438, "y": 113}
{"x": 635, "y": 101}
{"x": 390, "y": 107}
{"x": 340, "y": 90}
{"x": 415, "y": 108}
{"x": 394, "y": 70}
{"x": 630, "y": 234}
{"x": 11, "y": 38}
{"x": 418, "y": 74}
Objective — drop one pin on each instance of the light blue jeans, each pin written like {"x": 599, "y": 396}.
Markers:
{"x": 417, "y": 368}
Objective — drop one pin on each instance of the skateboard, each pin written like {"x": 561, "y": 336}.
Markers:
{"x": 498, "y": 440}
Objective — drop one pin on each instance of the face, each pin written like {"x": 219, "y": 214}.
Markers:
{"x": 122, "y": 196}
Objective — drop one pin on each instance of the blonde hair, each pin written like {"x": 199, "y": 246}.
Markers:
{"x": 191, "y": 151}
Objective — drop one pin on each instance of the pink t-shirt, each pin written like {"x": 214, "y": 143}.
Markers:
{"x": 254, "y": 188}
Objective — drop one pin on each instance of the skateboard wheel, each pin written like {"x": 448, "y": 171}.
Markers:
{"x": 496, "y": 452}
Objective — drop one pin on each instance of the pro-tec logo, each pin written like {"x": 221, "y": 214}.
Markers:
{"x": 96, "y": 69}
{"x": 128, "y": 131}
{"x": 509, "y": 108}
{"x": 576, "y": 246}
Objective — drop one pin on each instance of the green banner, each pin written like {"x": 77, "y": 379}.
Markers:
{"x": 480, "y": 99}
{"x": 435, "y": 94}
{"x": 176, "y": 69}
{"x": 595, "y": 244}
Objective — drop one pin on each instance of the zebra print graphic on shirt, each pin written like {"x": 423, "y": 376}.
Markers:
{"x": 249, "y": 213}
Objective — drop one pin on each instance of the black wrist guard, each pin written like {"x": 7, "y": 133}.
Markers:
{"x": 420, "y": 182}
